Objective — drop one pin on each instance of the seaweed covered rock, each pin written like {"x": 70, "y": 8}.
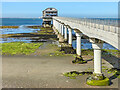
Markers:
{"x": 79, "y": 60}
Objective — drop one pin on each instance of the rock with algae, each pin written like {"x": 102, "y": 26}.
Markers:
{"x": 79, "y": 60}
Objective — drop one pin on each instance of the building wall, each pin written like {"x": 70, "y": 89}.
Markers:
{"x": 49, "y": 12}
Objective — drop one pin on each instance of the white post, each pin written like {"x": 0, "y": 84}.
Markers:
{"x": 62, "y": 29}
{"x": 97, "y": 58}
{"x": 70, "y": 36}
{"x": 65, "y": 33}
{"x": 78, "y": 49}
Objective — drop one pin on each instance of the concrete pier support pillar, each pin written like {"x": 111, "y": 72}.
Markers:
{"x": 57, "y": 24}
{"x": 97, "y": 46}
{"x": 78, "y": 58}
{"x": 62, "y": 29}
{"x": 70, "y": 36}
{"x": 78, "y": 48}
{"x": 65, "y": 36}
{"x": 97, "y": 79}
{"x": 97, "y": 58}
{"x": 58, "y": 27}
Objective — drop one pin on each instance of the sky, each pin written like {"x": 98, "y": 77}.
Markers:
{"x": 60, "y": 0}
{"x": 65, "y": 9}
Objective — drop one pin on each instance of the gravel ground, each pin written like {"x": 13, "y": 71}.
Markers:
{"x": 45, "y": 72}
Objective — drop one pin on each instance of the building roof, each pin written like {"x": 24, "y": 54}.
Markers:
{"x": 50, "y": 9}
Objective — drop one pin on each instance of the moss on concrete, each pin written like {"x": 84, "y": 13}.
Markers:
{"x": 104, "y": 82}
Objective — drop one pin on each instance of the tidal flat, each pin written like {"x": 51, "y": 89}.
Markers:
{"x": 37, "y": 64}
{"x": 37, "y": 38}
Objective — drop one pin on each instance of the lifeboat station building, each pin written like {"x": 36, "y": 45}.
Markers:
{"x": 47, "y": 16}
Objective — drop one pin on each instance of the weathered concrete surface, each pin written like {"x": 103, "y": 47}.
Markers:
{"x": 110, "y": 36}
{"x": 44, "y": 72}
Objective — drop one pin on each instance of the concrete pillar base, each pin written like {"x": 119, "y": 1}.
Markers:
{"x": 98, "y": 80}
{"x": 98, "y": 76}
{"x": 79, "y": 60}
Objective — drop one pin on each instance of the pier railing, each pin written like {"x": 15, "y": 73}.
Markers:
{"x": 110, "y": 25}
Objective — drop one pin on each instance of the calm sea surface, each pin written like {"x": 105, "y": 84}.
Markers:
{"x": 20, "y": 21}
{"x": 23, "y": 22}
